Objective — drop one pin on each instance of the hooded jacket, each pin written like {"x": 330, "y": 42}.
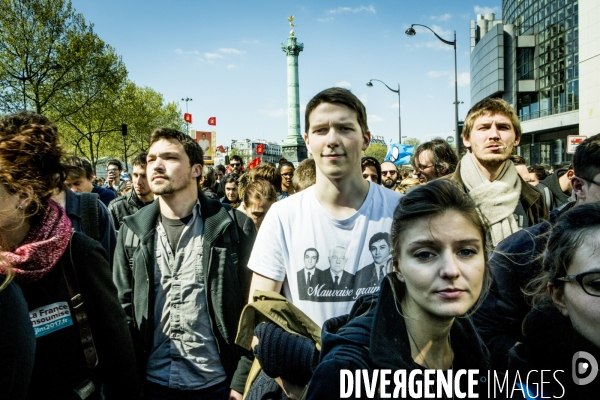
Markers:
{"x": 550, "y": 343}
{"x": 374, "y": 336}
{"x": 558, "y": 197}
{"x": 226, "y": 278}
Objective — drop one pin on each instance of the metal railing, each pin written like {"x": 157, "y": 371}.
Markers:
{"x": 549, "y": 111}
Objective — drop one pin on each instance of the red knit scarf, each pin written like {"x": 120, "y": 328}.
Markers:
{"x": 43, "y": 246}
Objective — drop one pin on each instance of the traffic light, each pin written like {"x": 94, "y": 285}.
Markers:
{"x": 124, "y": 129}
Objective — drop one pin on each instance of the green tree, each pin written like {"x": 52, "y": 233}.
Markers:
{"x": 43, "y": 48}
{"x": 377, "y": 150}
{"x": 412, "y": 142}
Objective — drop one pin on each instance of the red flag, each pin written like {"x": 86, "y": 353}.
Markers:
{"x": 212, "y": 121}
{"x": 254, "y": 163}
{"x": 260, "y": 148}
{"x": 221, "y": 149}
{"x": 187, "y": 117}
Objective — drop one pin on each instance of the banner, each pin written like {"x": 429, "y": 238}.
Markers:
{"x": 399, "y": 154}
{"x": 207, "y": 141}
{"x": 212, "y": 121}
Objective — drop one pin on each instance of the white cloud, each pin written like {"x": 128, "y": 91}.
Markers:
{"x": 325, "y": 19}
{"x": 444, "y": 33}
{"x": 181, "y": 52}
{"x": 250, "y": 41}
{"x": 230, "y": 66}
{"x": 278, "y": 112}
{"x": 229, "y": 50}
{"x": 212, "y": 55}
{"x": 443, "y": 17}
{"x": 486, "y": 10}
{"x": 345, "y": 84}
{"x": 464, "y": 79}
{"x": 374, "y": 118}
{"x": 369, "y": 9}
{"x": 437, "y": 74}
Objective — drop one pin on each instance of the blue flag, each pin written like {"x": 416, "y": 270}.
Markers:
{"x": 399, "y": 154}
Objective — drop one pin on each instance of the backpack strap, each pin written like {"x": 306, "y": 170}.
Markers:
{"x": 547, "y": 195}
{"x": 77, "y": 304}
{"x": 233, "y": 239}
{"x": 89, "y": 215}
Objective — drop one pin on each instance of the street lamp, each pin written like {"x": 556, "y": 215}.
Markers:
{"x": 370, "y": 84}
{"x": 187, "y": 99}
{"x": 411, "y": 32}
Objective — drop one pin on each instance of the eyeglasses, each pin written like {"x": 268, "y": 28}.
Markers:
{"x": 112, "y": 170}
{"x": 422, "y": 167}
{"x": 590, "y": 181}
{"x": 391, "y": 172}
{"x": 589, "y": 282}
{"x": 235, "y": 164}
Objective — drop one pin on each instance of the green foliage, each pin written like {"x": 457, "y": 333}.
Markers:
{"x": 53, "y": 63}
{"x": 377, "y": 150}
{"x": 412, "y": 142}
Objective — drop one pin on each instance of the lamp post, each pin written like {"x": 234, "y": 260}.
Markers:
{"x": 187, "y": 99}
{"x": 370, "y": 84}
{"x": 411, "y": 32}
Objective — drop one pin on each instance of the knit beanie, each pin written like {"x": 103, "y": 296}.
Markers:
{"x": 282, "y": 354}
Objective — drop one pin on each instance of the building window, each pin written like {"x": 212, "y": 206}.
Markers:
{"x": 525, "y": 63}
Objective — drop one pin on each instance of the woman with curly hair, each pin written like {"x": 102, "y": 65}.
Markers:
{"x": 82, "y": 338}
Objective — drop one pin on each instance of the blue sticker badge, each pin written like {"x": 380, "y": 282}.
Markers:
{"x": 50, "y": 318}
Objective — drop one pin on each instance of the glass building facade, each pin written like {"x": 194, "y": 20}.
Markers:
{"x": 553, "y": 62}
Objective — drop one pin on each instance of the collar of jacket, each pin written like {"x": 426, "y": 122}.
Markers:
{"x": 529, "y": 194}
{"x": 134, "y": 200}
{"x": 214, "y": 216}
{"x": 390, "y": 348}
{"x": 72, "y": 204}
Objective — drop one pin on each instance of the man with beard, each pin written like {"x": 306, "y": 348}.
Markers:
{"x": 389, "y": 175}
{"x": 181, "y": 253}
{"x": 433, "y": 160}
{"x": 140, "y": 196}
{"x": 487, "y": 174}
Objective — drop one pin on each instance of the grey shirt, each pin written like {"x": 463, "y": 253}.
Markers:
{"x": 184, "y": 352}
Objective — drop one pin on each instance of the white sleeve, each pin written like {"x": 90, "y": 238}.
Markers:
{"x": 268, "y": 254}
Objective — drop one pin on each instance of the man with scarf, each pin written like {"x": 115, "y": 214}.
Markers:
{"x": 485, "y": 172}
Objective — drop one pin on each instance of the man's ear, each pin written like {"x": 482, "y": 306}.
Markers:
{"x": 366, "y": 140}
{"x": 196, "y": 170}
{"x": 558, "y": 298}
{"x": 517, "y": 141}
{"x": 577, "y": 185}
{"x": 466, "y": 141}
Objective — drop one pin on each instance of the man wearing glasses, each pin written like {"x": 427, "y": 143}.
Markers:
{"x": 113, "y": 176}
{"x": 433, "y": 159}
{"x": 236, "y": 165}
{"x": 517, "y": 260}
{"x": 389, "y": 175}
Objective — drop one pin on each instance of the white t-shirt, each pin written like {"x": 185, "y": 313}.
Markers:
{"x": 299, "y": 239}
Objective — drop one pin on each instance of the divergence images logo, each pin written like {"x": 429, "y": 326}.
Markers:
{"x": 582, "y": 364}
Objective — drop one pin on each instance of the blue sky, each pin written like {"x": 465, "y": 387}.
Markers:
{"x": 227, "y": 57}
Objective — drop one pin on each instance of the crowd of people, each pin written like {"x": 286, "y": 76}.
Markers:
{"x": 187, "y": 281}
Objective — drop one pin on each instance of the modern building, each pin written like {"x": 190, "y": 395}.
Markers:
{"x": 247, "y": 150}
{"x": 378, "y": 140}
{"x": 543, "y": 58}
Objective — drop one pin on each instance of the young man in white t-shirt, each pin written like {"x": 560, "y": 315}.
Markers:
{"x": 335, "y": 218}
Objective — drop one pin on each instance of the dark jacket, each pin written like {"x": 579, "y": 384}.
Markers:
{"x": 514, "y": 263}
{"x": 123, "y": 206}
{"x": 106, "y": 195}
{"x": 59, "y": 363}
{"x": 374, "y": 336}
{"x": 108, "y": 237}
{"x": 550, "y": 343}
{"x": 531, "y": 199}
{"x": 17, "y": 342}
{"x": 209, "y": 193}
{"x": 227, "y": 287}
{"x": 557, "y": 196}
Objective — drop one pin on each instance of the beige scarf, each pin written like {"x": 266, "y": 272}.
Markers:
{"x": 496, "y": 200}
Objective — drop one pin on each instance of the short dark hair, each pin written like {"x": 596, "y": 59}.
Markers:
{"x": 78, "y": 167}
{"x": 312, "y": 249}
{"x": 191, "y": 148}
{"x": 220, "y": 168}
{"x": 231, "y": 178}
{"x": 209, "y": 175}
{"x": 586, "y": 161}
{"x": 443, "y": 157}
{"x": 141, "y": 160}
{"x": 539, "y": 170}
{"x": 371, "y": 161}
{"x": 336, "y": 95}
{"x": 238, "y": 158}
{"x": 286, "y": 164}
{"x": 380, "y": 236}
{"x": 116, "y": 163}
